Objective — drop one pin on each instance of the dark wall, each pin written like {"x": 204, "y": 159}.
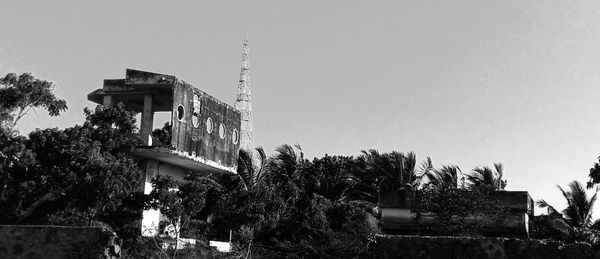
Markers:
{"x": 515, "y": 221}
{"x": 408, "y": 247}
{"x": 190, "y": 133}
{"x": 56, "y": 242}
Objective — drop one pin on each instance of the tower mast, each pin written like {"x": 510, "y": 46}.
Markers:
{"x": 244, "y": 102}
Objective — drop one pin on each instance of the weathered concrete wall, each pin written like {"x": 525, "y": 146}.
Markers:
{"x": 194, "y": 134}
{"x": 397, "y": 217}
{"x": 389, "y": 246}
{"x": 203, "y": 126}
{"x": 56, "y": 242}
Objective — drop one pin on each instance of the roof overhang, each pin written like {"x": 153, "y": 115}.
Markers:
{"x": 181, "y": 159}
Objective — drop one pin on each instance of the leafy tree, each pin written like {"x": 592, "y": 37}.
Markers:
{"x": 237, "y": 201}
{"x": 318, "y": 228}
{"x": 252, "y": 214}
{"x": 21, "y": 94}
{"x": 300, "y": 208}
{"x": 334, "y": 177}
{"x": 578, "y": 213}
{"x": 166, "y": 198}
{"x": 12, "y": 157}
{"x": 162, "y": 136}
{"x": 79, "y": 175}
{"x": 254, "y": 200}
{"x": 362, "y": 183}
{"x": 485, "y": 176}
{"x": 594, "y": 174}
{"x": 18, "y": 96}
{"x": 180, "y": 202}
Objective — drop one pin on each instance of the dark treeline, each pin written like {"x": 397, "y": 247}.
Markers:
{"x": 278, "y": 204}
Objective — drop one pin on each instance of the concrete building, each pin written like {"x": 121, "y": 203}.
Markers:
{"x": 514, "y": 220}
{"x": 206, "y": 132}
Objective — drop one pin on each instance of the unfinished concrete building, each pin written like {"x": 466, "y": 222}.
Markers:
{"x": 206, "y": 132}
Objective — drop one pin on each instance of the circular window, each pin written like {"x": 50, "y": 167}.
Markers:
{"x": 235, "y": 136}
{"x": 209, "y": 125}
{"x": 180, "y": 112}
{"x": 196, "y": 119}
{"x": 222, "y": 131}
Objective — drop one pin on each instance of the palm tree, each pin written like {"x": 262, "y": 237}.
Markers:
{"x": 393, "y": 170}
{"x": 286, "y": 169}
{"x": 250, "y": 170}
{"x": 578, "y": 213}
{"x": 484, "y": 176}
{"x": 425, "y": 169}
{"x": 334, "y": 175}
{"x": 444, "y": 178}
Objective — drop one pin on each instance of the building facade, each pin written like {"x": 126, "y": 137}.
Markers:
{"x": 206, "y": 132}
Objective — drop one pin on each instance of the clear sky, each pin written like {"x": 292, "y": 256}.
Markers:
{"x": 466, "y": 82}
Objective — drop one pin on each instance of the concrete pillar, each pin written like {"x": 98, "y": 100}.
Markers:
{"x": 150, "y": 217}
{"x": 147, "y": 120}
{"x": 108, "y": 101}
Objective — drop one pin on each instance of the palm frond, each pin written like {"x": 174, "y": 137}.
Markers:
{"x": 486, "y": 176}
{"x": 588, "y": 217}
{"x": 261, "y": 153}
{"x": 578, "y": 212}
{"x": 425, "y": 167}
{"x": 595, "y": 225}
{"x": 392, "y": 170}
{"x": 245, "y": 168}
{"x": 499, "y": 169}
{"x": 445, "y": 177}
{"x": 543, "y": 204}
{"x": 213, "y": 180}
{"x": 565, "y": 194}
{"x": 259, "y": 168}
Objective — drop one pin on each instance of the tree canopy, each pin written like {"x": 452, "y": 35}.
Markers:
{"x": 78, "y": 175}
{"x": 20, "y": 94}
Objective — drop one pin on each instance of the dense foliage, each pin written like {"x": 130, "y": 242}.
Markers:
{"x": 20, "y": 94}
{"x": 79, "y": 175}
{"x": 457, "y": 212}
{"x": 297, "y": 209}
{"x": 275, "y": 206}
{"x": 594, "y": 174}
{"x": 577, "y": 216}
